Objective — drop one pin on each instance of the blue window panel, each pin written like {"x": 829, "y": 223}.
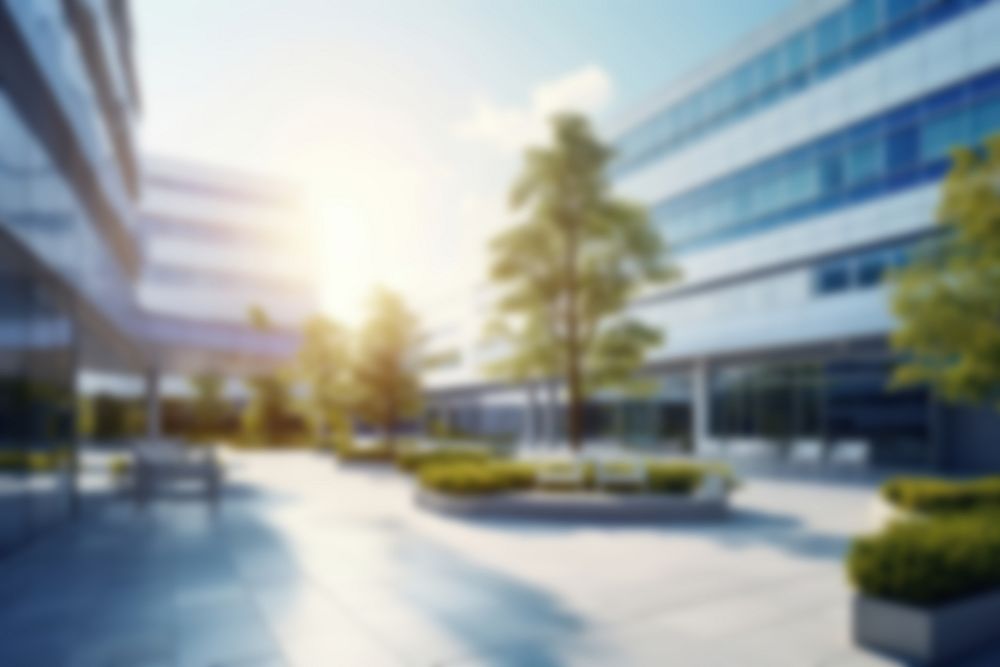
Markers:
{"x": 747, "y": 91}
{"x": 945, "y": 132}
{"x": 940, "y": 11}
{"x": 898, "y": 10}
{"x": 986, "y": 120}
{"x": 872, "y": 268}
{"x": 830, "y": 36}
{"x": 864, "y": 162}
{"x": 862, "y": 19}
{"x": 832, "y": 278}
{"x": 832, "y": 174}
{"x": 903, "y": 149}
{"x": 796, "y": 53}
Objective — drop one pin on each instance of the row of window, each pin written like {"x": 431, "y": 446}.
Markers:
{"x": 862, "y": 270}
{"x": 841, "y": 39}
{"x": 898, "y": 149}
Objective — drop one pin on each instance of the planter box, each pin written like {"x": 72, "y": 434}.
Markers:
{"x": 593, "y": 506}
{"x": 931, "y": 636}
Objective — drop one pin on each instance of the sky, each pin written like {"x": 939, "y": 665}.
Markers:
{"x": 402, "y": 122}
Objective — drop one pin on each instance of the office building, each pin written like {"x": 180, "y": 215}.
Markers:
{"x": 789, "y": 174}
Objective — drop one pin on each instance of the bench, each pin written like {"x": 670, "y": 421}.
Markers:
{"x": 162, "y": 461}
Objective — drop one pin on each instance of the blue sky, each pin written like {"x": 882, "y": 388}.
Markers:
{"x": 402, "y": 121}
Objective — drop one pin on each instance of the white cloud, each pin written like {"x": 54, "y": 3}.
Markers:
{"x": 509, "y": 129}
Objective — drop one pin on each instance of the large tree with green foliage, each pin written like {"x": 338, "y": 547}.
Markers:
{"x": 208, "y": 404}
{"x": 948, "y": 299}
{"x": 567, "y": 271}
{"x": 269, "y": 409}
{"x": 387, "y": 364}
{"x": 324, "y": 363}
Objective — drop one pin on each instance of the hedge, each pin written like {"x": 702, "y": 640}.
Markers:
{"x": 934, "y": 496}
{"x": 467, "y": 478}
{"x": 930, "y": 562}
{"x": 412, "y": 460}
{"x": 477, "y": 478}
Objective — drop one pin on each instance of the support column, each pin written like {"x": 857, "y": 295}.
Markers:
{"x": 152, "y": 404}
{"x": 700, "y": 435}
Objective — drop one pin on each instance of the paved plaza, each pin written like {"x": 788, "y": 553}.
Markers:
{"x": 305, "y": 564}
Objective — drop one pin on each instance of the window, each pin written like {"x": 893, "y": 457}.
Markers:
{"x": 829, "y": 36}
{"x": 833, "y": 278}
{"x": 872, "y": 268}
{"x": 942, "y": 134}
{"x": 903, "y": 150}
{"x": 862, "y": 19}
{"x": 864, "y": 162}
{"x": 897, "y": 10}
{"x": 797, "y": 53}
{"x": 986, "y": 119}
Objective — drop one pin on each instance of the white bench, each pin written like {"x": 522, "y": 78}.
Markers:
{"x": 561, "y": 472}
{"x": 621, "y": 472}
{"x": 806, "y": 453}
{"x": 161, "y": 461}
{"x": 852, "y": 455}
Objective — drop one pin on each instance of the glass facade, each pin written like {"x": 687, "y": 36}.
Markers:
{"x": 845, "y": 37}
{"x": 37, "y": 376}
{"x": 900, "y": 148}
{"x": 831, "y": 399}
{"x": 860, "y": 270}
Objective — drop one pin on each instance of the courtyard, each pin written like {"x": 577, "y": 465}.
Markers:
{"x": 307, "y": 564}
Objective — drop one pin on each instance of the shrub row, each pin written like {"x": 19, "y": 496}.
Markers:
{"x": 935, "y": 496}
{"x": 412, "y": 460}
{"x": 34, "y": 461}
{"x": 477, "y": 478}
{"x": 929, "y": 562}
{"x": 467, "y": 478}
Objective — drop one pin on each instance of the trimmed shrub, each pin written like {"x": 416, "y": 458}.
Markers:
{"x": 477, "y": 478}
{"x": 413, "y": 460}
{"x": 684, "y": 477}
{"x": 379, "y": 452}
{"x": 935, "y": 496}
{"x": 929, "y": 562}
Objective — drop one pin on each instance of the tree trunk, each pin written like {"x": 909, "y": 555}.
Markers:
{"x": 574, "y": 425}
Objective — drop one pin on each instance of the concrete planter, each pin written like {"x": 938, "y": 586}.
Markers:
{"x": 579, "y": 506}
{"x": 930, "y": 636}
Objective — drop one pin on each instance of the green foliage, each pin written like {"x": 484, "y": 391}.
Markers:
{"x": 413, "y": 460}
{"x": 120, "y": 467}
{"x": 386, "y": 368}
{"x": 268, "y": 417}
{"x": 684, "y": 477}
{"x": 209, "y": 405}
{"x": 495, "y": 476}
{"x": 477, "y": 478}
{"x": 567, "y": 272}
{"x": 35, "y": 460}
{"x": 929, "y": 562}
{"x": 948, "y": 300}
{"x": 324, "y": 363}
{"x": 934, "y": 496}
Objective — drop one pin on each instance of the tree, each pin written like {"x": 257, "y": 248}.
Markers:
{"x": 268, "y": 410}
{"x": 208, "y": 403}
{"x": 324, "y": 364}
{"x": 568, "y": 270}
{"x": 948, "y": 299}
{"x": 387, "y": 365}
